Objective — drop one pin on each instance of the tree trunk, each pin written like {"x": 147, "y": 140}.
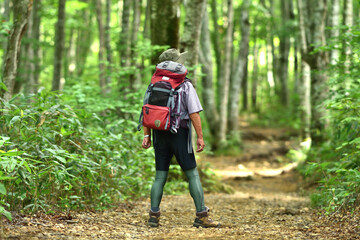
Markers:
{"x": 124, "y": 43}
{"x": 255, "y": 78}
{"x": 147, "y": 21}
{"x": 305, "y": 101}
{"x": 165, "y": 24}
{"x": 190, "y": 42}
{"x": 305, "y": 88}
{"x": 318, "y": 63}
{"x": 83, "y": 41}
{"x": 269, "y": 63}
{"x": 208, "y": 94}
{"x": 22, "y": 9}
{"x": 284, "y": 52}
{"x": 335, "y": 31}
{"x": 216, "y": 37}
{"x": 36, "y": 47}
{"x": 296, "y": 51}
{"x": 348, "y": 22}
{"x": 313, "y": 36}
{"x": 25, "y": 61}
{"x": 5, "y": 17}
{"x": 225, "y": 75}
{"x": 269, "y": 48}
{"x": 99, "y": 19}
{"x": 241, "y": 70}
{"x": 68, "y": 56}
{"x": 59, "y": 46}
{"x": 135, "y": 77}
{"x": 109, "y": 56}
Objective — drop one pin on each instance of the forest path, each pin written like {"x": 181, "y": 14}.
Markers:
{"x": 267, "y": 204}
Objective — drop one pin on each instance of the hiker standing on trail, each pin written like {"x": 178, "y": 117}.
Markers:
{"x": 171, "y": 123}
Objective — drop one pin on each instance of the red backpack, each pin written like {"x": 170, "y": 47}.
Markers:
{"x": 162, "y": 100}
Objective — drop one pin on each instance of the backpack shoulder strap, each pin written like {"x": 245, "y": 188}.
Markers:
{"x": 147, "y": 93}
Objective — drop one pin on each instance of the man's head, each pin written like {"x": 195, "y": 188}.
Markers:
{"x": 173, "y": 55}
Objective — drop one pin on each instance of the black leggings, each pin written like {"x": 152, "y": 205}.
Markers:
{"x": 167, "y": 145}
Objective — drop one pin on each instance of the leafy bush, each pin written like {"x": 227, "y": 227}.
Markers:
{"x": 337, "y": 163}
{"x": 70, "y": 158}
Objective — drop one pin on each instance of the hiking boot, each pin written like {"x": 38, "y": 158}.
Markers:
{"x": 203, "y": 220}
{"x": 154, "y": 219}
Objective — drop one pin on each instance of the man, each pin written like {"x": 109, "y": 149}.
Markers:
{"x": 167, "y": 144}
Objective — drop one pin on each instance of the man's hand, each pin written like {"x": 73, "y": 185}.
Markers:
{"x": 200, "y": 145}
{"x": 146, "y": 142}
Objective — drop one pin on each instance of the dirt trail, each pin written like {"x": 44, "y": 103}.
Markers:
{"x": 267, "y": 204}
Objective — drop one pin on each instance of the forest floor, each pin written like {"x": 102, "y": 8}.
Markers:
{"x": 270, "y": 202}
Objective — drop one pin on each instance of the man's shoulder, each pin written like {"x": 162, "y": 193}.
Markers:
{"x": 188, "y": 83}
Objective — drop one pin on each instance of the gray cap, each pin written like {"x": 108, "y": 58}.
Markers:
{"x": 174, "y": 55}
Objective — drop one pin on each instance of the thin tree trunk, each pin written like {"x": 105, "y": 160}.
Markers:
{"x": 83, "y": 41}
{"x": 125, "y": 35}
{"x": 313, "y": 36}
{"x": 239, "y": 78}
{"x": 318, "y": 63}
{"x": 306, "y": 106}
{"x": 348, "y": 22}
{"x": 34, "y": 81}
{"x": 254, "y": 86}
{"x": 269, "y": 49}
{"x": 29, "y": 54}
{"x": 6, "y": 18}
{"x": 269, "y": 63}
{"x": 216, "y": 37}
{"x": 135, "y": 77}
{"x": 68, "y": 54}
{"x": 274, "y": 59}
{"x": 59, "y": 46}
{"x": 296, "y": 66}
{"x": 305, "y": 89}
{"x": 296, "y": 49}
{"x": 101, "y": 58}
{"x": 335, "y": 31}
{"x": 147, "y": 31}
{"x": 208, "y": 93}
{"x": 255, "y": 78}
{"x": 109, "y": 56}
{"x": 284, "y": 52}
{"x": 190, "y": 42}
{"x": 24, "y": 64}
{"x": 22, "y": 9}
{"x": 224, "y": 80}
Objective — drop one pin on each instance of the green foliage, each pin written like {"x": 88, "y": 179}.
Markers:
{"x": 5, "y": 28}
{"x": 336, "y": 163}
{"x": 6, "y": 158}
{"x": 71, "y": 157}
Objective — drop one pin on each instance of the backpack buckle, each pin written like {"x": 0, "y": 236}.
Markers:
{"x": 173, "y": 130}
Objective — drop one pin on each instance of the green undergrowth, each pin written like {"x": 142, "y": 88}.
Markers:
{"x": 65, "y": 153}
{"x": 335, "y": 163}
{"x": 74, "y": 151}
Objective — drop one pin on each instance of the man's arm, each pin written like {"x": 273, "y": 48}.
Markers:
{"x": 196, "y": 121}
{"x": 147, "y": 138}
